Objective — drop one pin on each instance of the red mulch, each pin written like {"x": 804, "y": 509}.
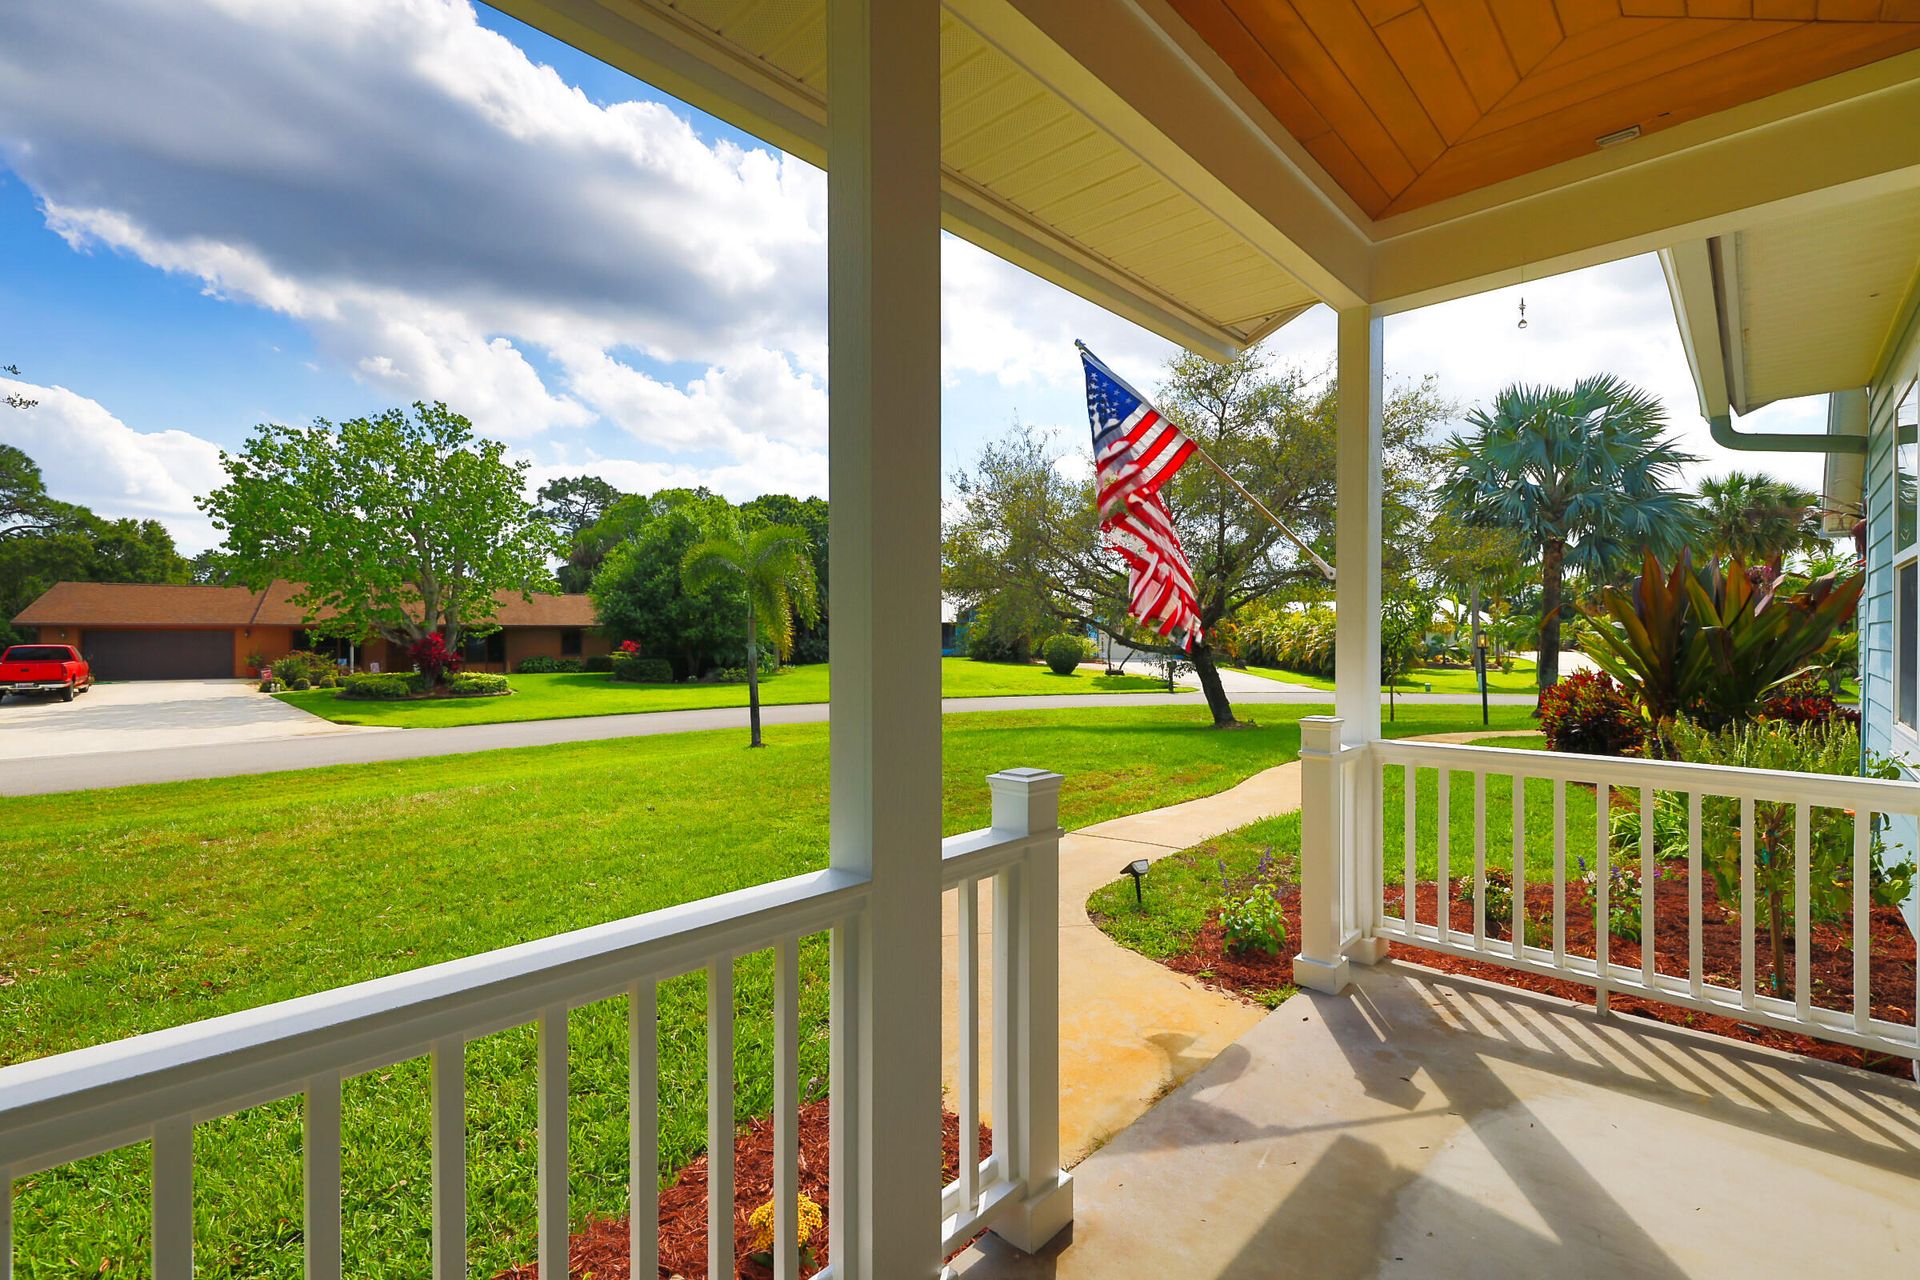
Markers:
{"x": 600, "y": 1249}
{"x": 1891, "y": 970}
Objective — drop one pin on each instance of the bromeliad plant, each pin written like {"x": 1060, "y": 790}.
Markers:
{"x": 1710, "y": 645}
{"x": 1253, "y": 921}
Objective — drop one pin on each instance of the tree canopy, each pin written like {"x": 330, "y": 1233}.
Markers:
{"x": 572, "y": 505}
{"x": 405, "y": 524}
{"x": 638, "y": 593}
{"x": 1757, "y": 519}
{"x": 769, "y": 569}
{"x": 1023, "y": 533}
{"x": 1585, "y": 474}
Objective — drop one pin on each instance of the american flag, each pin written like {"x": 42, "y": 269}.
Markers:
{"x": 1136, "y": 451}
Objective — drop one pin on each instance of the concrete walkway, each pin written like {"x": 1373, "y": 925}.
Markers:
{"x": 315, "y": 742}
{"x": 1431, "y": 1125}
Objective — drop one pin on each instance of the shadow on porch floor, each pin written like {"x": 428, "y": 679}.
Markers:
{"x": 1427, "y": 1125}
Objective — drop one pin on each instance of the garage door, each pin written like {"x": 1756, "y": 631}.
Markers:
{"x": 159, "y": 655}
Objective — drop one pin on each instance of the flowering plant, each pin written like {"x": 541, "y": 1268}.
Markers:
{"x": 1253, "y": 921}
{"x": 630, "y": 647}
{"x": 435, "y": 660}
{"x": 807, "y": 1220}
{"x": 1623, "y": 896}
{"x": 1587, "y": 713}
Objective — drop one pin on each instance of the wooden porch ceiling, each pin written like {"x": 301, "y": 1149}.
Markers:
{"x": 1408, "y": 102}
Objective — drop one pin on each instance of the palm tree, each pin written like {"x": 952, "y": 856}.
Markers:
{"x": 772, "y": 566}
{"x": 1584, "y": 473}
{"x": 1756, "y": 519}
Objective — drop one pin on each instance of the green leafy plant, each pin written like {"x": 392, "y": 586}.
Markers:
{"x": 302, "y": 665}
{"x": 1253, "y": 921}
{"x": 634, "y": 669}
{"x": 1709, "y": 644}
{"x": 1499, "y": 909}
{"x": 478, "y": 684}
{"x": 1623, "y": 896}
{"x": 772, "y": 567}
{"x": 386, "y": 687}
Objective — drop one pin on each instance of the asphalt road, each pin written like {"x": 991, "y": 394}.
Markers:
{"x": 55, "y": 773}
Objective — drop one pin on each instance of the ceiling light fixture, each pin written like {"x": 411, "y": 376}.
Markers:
{"x": 1617, "y": 137}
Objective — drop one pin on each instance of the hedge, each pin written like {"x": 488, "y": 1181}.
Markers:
{"x": 637, "y": 670}
{"x": 386, "y": 687}
{"x": 478, "y": 683}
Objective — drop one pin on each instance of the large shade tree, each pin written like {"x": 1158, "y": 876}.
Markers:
{"x": 572, "y": 505}
{"x": 1756, "y": 519}
{"x": 405, "y": 524}
{"x": 639, "y": 594}
{"x": 770, "y": 570}
{"x": 1023, "y": 533}
{"x": 1585, "y": 473}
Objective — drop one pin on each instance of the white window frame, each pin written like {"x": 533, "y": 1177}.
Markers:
{"x": 1906, "y": 412}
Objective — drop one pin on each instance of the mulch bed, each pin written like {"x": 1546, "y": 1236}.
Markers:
{"x": 1831, "y": 962}
{"x": 599, "y": 1250}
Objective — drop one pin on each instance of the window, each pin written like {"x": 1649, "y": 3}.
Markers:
{"x": 1906, "y": 435}
{"x": 492, "y": 648}
{"x": 570, "y": 642}
{"x": 1905, "y": 615}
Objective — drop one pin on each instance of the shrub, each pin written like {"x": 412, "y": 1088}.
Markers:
{"x": 300, "y": 685}
{"x": 478, "y": 684}
{"x": 538, "y": 666}
{"x": 1499, "y": 897}
{"x": 1297, "y": 639}
{"x": 998, "y": 634}
{"x": 1588, "y": 714}
{"x": 302, "y": 665}
{"x": 598, "y": 664}
{"x": 270, "y": 686}
{"x": 1623, "y": 896}
{"x": 1063, "y": 653}
{"x": 1805, "y": 700}
{"x": 387, "y": 687}
{"x": 637, "y": 670}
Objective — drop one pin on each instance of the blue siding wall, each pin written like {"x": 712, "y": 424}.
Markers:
{"x": 1876, "y": 603}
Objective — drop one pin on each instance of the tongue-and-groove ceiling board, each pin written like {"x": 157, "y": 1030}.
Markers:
{"x": 1408, "y": 102}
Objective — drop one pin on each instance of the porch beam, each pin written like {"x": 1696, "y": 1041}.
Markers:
{"x": 883, "y": 457}
{"x": 1357, "y": 527}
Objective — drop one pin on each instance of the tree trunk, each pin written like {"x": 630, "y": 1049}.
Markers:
{"x": 753, "y": 675}
{"x": 1552, "y": 558}
{"x": 1209, "y": 673}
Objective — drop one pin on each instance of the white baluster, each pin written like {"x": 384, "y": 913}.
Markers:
{"x": 1862, "y": 920}
{"x": 643, "y": 1129}
{"x": 720, "y": 1117}
{"x": 1695, "y": 873}
{"x": 1559, "y": 873}
{"x": 1517, "y": 926}
{"x": 320, "y": 1163}
{"x": 1748, "y": 906}
{"x": 1802, "y": 914}
{"x": 1443, "y": 852}
{"x": 1410, "y": 804}
{"x": 1647, "y": 799}
{"x": 1602, "y": 877}
{"x": 448, "y": 1072}
{"x": 173, "y": 1200}
{"x": 6, "y": 1225}
{"x": 969, "y": 1017}
{"x": 550, "y": 1137}
{"x": 1479, "y": 860}
{"x": 786, "y": 1109}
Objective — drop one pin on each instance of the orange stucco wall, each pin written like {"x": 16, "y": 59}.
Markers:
{"x": 269, "y": 643}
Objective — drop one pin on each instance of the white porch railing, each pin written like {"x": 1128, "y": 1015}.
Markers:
{"x": 158, "y": 1087}
{"x": 1345, "y": 863}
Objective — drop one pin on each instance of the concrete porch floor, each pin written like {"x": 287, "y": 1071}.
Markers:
{"x": 1427, "y": 1125}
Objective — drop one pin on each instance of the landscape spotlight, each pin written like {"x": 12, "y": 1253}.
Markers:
{"x": 1138, "y": 870}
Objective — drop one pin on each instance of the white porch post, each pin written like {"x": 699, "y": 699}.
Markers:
{"x": 883, "y": 243}
{"x": 1356, "y": 541}
{"x": 1335, "y": 834}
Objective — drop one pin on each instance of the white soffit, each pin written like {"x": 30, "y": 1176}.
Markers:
{"x": 1025, "y": 175}
{"x": 1819, "y": 295}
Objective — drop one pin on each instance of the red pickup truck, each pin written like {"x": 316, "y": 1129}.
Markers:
{"x": 44, "y": 668}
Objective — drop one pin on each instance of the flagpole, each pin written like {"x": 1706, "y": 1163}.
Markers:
{"x": 1207, "y": 458}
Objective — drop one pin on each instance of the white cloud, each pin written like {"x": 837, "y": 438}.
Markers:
{"x": 438, "y": 209}
{"x": 88, "y": 456}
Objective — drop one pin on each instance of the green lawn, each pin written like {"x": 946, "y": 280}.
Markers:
{"x": 1443, "y": 680}
{"x": 141, "y": 908}
{"x": 563, "y": 697}
{"x": 1184, "y": 889}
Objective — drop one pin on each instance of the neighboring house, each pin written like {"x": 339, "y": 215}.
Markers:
{"x": 1829, "y": 303}
{"x": 138, "y": 631}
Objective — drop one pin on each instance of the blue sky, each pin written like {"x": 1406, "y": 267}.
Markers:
{"x": 215, "y": 215}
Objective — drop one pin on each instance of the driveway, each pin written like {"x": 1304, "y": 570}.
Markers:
{"x": 158, "y": 716}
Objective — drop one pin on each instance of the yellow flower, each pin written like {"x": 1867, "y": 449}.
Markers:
{"x": 760, "y": 1221}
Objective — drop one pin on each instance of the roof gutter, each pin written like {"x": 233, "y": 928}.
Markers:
{"x": 1724, "y": 435}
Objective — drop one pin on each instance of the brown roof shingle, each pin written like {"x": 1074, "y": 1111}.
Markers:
{"x": 130, "y": 604}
